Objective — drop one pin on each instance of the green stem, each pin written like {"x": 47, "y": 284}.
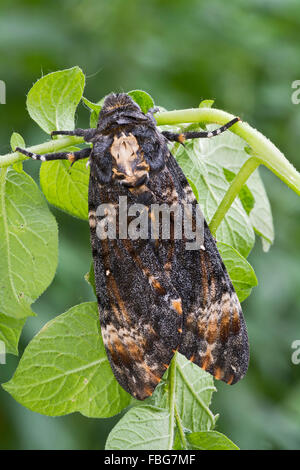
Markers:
{"x": 172, "y": 390}
{"x": 3, "y": 176}
{"x": 47, "y": 147}
{"x": 262, "y": 147}
{"x": 180, "y": 428}
{"x": 233, "y": 190}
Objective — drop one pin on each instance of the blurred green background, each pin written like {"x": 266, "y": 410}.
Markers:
{"x": 243, "y": 54}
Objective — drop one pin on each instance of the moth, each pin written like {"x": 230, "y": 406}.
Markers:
{"x": 155, "y": 297}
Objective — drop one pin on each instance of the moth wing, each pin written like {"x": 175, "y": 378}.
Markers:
{"x": 214, "y": 331}
{"x": 140, "y": 310}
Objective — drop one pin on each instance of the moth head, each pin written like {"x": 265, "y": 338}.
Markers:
{"x": 135, "y": 147}
{"x": 119, "y": 109}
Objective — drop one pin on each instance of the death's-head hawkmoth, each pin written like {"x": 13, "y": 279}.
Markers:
{"x": 155, "y": 296}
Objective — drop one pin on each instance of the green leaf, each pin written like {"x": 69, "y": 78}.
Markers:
{"x": 94, "y": 119}
{"x": 66, "y": 187}
{"x": 52, "y": 101}
{"x": 209, "y": 440}
{"x": 28, "y": 251}
{"x": 90, "y": 278}
{"x": 192, "y": 394}
{"x": 206, "y": 104}
{"x": 240, "y": 271}
{"x": 143, "y": 427}
{"x": 151, "y": 425}
{"x": 194, "y": 389}
{"x": 95, "y": 110}
{"x": 143, "y": 99}
{"x": 93, "y": 106}
{"x": 65, "y": 369}
{"x": 28, "y": 244}
{"x": 261, "y": 214}
{"x": 10, "y": 331}
{"x": 17, "y": 140}
{"x": 199, "y": 160}
{"x": 231, "y": 155}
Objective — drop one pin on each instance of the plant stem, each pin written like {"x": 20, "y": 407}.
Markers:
{"x": 2, "y": 176}
{"x": 262, "y": 147}
{"x": 233, "y": 190}
{"x": 172, "y": 389}
{"x": 180, "y": 428}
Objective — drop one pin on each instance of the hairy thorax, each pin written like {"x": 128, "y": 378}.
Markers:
{"x": 129, "y": 166}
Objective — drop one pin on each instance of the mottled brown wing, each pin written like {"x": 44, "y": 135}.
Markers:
{"x": 214, "y": 331}
{"x": 215, "y": 335}
{"x": 140, "y": 310}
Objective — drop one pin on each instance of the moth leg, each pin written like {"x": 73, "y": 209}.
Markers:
{"x": 87, "y": 134}
{"x": 181, "y": 138}
{"x": 151, "y": 113}
{"x": 153, "y": 110}
{"x": 71, "y": 156}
